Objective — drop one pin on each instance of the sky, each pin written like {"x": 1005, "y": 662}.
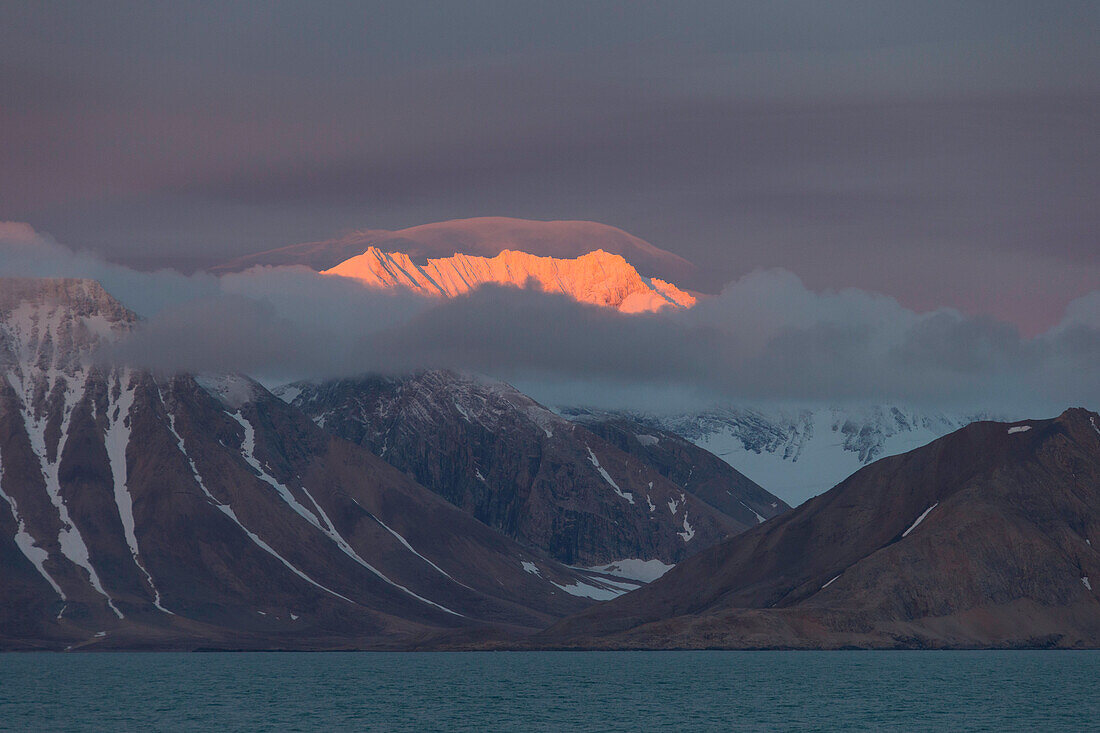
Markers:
{"x": 943, "y": 153}
{"x": 889, "y": 200}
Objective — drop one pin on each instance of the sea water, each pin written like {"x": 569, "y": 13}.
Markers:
{"x": 552, "y": 691}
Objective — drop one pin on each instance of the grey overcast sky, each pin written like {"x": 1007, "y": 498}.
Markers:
{"x": 944, "y": 153}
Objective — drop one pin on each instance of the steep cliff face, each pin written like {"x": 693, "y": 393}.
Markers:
{"x": 598, "y": 278}
{"x": 986, "y": 537}
{"x": 145, "y": 511}
{"x": 515, "y": 465}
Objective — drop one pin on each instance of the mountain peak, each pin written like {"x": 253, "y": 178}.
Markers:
{"x": 73, "y": 291}
{"x": 1080, "y": 423}
{"x": 485, "y": 236}
{"x": 597, "y": 277}
{"x": 1078, "y": 414}
{"x": 56, "y": 323}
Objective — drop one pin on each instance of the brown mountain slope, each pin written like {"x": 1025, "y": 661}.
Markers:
{"x": 983, "y": 538}
{"x": 515, "y": 465}
{"x": 696, "y": 470}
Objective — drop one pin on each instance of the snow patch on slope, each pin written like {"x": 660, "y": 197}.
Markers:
{"x": 69, "y": 538}
{"x": 759, "y": 518}
{"x": 645, "y": 571}
{"x": 320, "y": 519}
{"x": 232, "y": 390}
{"x": 410, "y": 548}
{"x": 919, "y": 520}
{"x": 689, "y": 531}
{"x": 232, "y": 515}
{"x": 26, "y": 544}
{"x": 607, "y": 477}
{"x": 115, "y": 441}
{"x": 597, "y": 593}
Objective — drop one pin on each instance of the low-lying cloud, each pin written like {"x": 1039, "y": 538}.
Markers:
{"x": 764, "y": 338}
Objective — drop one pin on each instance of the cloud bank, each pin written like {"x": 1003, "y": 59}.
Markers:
{"x": 944, "y": 152}
{"x": 766, "y": 337}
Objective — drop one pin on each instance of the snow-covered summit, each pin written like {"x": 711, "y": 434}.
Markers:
{"x": 485, "y": 236}
{"x": 55, "y": 324}
{"x": 598, "y": 278}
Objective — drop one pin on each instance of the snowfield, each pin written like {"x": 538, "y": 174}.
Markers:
{"x": 799, "y": 453}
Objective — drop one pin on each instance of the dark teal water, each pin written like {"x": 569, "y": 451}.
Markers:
{"x": 535, "y": 691}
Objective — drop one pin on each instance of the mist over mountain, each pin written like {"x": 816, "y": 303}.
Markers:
{"x": 765, "y": 339}
{"x": 174, "y": 511}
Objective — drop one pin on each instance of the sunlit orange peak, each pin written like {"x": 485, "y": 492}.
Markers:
{"x": 598, "y": 277}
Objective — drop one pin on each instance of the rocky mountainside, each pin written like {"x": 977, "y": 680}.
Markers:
{"x": 598, "y": 278}
{"x": 703, "y": 474}
{"x": 798, "y": 453}
{"x": 485, "y": 236}
{"x": 983, "y": 538}
{"x": 548, "y": 482}
{"x": 147, "y": 512}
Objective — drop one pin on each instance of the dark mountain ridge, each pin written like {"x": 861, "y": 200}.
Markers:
{"x": 983, "y": 538}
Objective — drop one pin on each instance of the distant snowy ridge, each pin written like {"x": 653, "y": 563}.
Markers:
{"x": 797, "y": 454}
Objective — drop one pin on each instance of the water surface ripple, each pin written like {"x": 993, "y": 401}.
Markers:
{"x": 552, "y": 691}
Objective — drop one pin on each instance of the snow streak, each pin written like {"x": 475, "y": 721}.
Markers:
{"x": 69, "y": 538}
{"x": 328, "y": 528}
{"x": 26, "y": 543}
{"x": 689, "y": 531}
{"x": 115, "y": 441}
{"x": 607, "y": 477}
{"x": 228, "y": 511}
{"x": 919, "y": 520}
{"x": 410, "y": 548}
